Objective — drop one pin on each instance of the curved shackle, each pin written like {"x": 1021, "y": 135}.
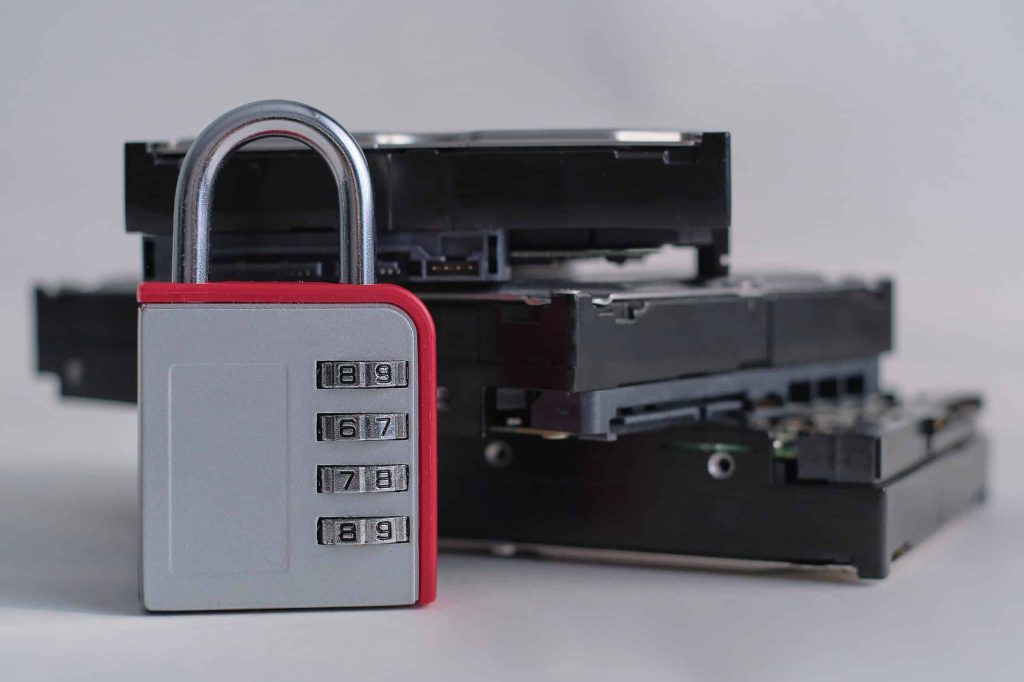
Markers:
{"x": 193, "y": 200}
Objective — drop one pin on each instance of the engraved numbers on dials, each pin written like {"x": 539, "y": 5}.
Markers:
{"x": 332, "y": 426}
{"x": 389, "y": 478}
{"x": 362, "y": 426}
{"x": 362, "y": 374}
{"x": 370, "y": 530}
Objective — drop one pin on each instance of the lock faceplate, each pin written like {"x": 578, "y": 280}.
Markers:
{"x": 231, "y": 465}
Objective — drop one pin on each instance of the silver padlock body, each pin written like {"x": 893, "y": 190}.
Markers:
{"x": 235, "y": 514}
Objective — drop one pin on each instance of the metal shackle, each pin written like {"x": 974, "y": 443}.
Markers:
{"x": 193, "y": 200}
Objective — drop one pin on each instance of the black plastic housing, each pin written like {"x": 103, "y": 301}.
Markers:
{"x": 652, "y": 496}
{"x": 457, "y": 208}
{"x": 572, "y": 336}
{"x": 88, "y": 338}
{"x": 567, "y": 336}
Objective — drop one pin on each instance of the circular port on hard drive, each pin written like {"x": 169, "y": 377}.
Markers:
{"x": 721, "y": 465}
{"x": 498, "y": 454}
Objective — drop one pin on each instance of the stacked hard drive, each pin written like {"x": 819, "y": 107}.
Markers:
{"x": 640, "y": 416}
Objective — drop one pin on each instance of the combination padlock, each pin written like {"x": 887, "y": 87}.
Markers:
{"x": 287, "y": 431}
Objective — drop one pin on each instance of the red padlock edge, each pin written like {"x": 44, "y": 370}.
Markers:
{"x": 326, "y": 292}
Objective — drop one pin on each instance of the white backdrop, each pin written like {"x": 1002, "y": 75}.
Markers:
{"x": 868, "y": 138}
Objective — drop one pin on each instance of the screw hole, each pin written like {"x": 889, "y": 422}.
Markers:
{"x": 498, "y": 454}
{"x": 721, "y": 465}
{"x": 74, "y": 372}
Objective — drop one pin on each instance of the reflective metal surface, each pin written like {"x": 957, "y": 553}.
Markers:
{"x": 606, "y": 291}
{"x": 482, "y": 138}
{"x": 362, "y": 426}
{"x": 371, "y": 530}
{"x": 273, "y": 118}
{"x": 381, "y": 478}
{"x": 635, "y": 558}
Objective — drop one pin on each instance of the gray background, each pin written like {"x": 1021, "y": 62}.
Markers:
{"x": 868, "y": 138}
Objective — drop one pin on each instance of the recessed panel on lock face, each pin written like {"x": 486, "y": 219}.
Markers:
{"x": 245, "y": 505}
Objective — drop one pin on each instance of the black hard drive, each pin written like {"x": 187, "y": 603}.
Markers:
{"x": 851, "y": 483}
{"x": 549, "y": 337}
{"x": 461, "y": 207}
